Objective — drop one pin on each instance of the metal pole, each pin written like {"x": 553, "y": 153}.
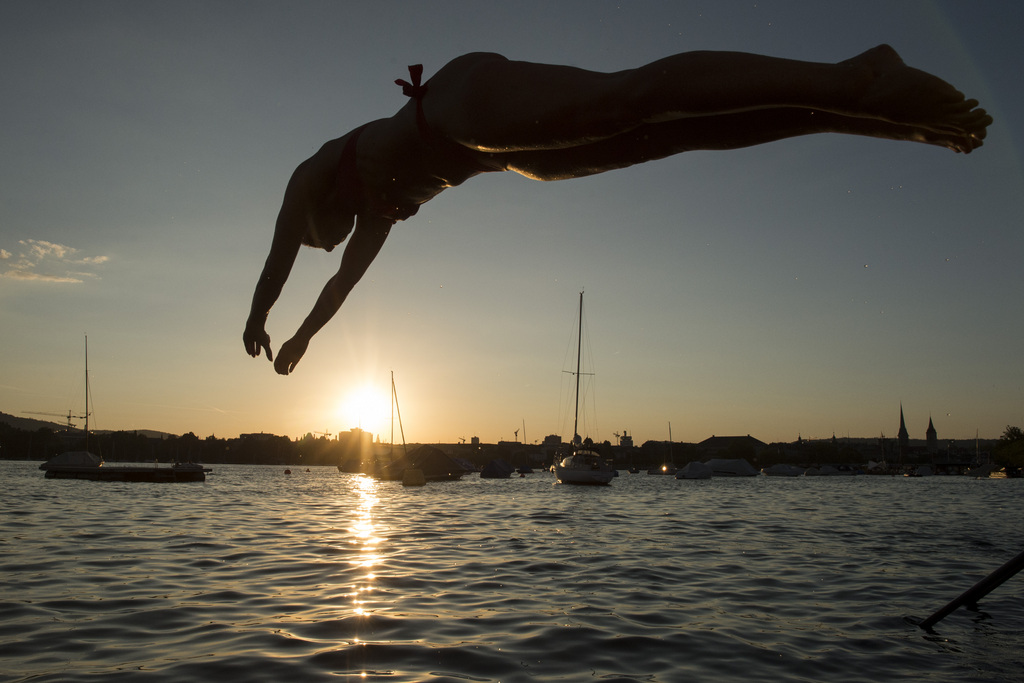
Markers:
{"x": 579, "y": 355}
{"x": 86, "y": 393}
{"x": 978, "y": 590}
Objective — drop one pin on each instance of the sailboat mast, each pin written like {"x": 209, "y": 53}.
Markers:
{"x": 671, "y": 457}
{"x": 579, "y": 354}
{"x": 395, "y": 407}
{"x": 87, "y": 392}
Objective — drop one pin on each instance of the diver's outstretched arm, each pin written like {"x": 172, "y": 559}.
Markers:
{"x": 363, "y": 246}
{"x": 283, "y": 250}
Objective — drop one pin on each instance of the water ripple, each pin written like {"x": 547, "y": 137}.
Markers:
{"x": 255, "y": 577}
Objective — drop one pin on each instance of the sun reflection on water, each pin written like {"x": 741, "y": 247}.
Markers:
{"x": 365, "y": 536}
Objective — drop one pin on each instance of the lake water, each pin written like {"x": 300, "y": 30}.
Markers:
{"x": 259, "y": 576}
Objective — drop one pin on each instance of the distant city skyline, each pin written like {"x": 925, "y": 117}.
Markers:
{"x": 802, "y": 288}
{"x": 614, "y": 438}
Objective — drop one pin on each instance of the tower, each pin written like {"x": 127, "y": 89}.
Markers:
{"x": 932, "y": 437}
{"x": 903, "y": 435}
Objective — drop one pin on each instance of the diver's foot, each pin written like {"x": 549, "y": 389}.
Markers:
{"x": 904, "y": 95}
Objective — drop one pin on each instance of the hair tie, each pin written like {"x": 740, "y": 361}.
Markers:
{"x": 414, "y": 89}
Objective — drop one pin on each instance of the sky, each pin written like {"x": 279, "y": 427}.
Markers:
{"x": 804, "y": 288}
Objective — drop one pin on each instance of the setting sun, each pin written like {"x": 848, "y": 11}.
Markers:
{"x": 367, "y": 407}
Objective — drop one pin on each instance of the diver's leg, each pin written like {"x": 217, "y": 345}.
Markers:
{"x": 724, "y": 132}
{"x": 490, "y": 103}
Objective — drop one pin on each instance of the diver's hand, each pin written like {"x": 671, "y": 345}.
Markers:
{"x": 289, "y": 355}
{"x": 256, "y": 338}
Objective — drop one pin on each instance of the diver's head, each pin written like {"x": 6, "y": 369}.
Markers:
{"x": 328, "y": 233}
{"x": 331, "y": 221}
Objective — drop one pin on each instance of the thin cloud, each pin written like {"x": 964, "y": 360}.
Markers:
{"x": 42, "y": 261}
{"x": 26, "y": 275}
{"x": 92, "y": 260}
{"x": 42, "y": 249}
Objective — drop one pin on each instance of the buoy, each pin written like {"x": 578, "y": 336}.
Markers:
{"x": 287, "y": 471}
{"x": 413, "y": 478}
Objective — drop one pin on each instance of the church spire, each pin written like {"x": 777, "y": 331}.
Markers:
{"x": 903, "y": 435}
{"x": 931, "y": 437}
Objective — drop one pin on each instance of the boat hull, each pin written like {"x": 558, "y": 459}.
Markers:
{"x": 584, "y": 468}
{"x": 145, "y": 474}
{"x": 583, "y": 479}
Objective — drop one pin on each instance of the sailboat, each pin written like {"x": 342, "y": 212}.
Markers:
{"x": 86, "y": 465}
{"x": 75, "y": 459}
{"x": 668, "y": 467}
{"x": 583, "y": 465}
{"x": 417, "y": 467}
{"x": 394, "y": 468}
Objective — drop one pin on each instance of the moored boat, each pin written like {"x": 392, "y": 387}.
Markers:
{"x": 783, "y": 470}
{"x": 694, "y": 470}
{"x": 86, "y": 465}
{"x": 582, "y": 465}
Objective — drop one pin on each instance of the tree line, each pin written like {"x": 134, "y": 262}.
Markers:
{"x": 262, "y": 449}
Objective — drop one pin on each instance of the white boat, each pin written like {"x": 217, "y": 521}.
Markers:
{"x": 694, "y": 470}
{"x": 582, "y": 466}
{"x": 783, "y": 470}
